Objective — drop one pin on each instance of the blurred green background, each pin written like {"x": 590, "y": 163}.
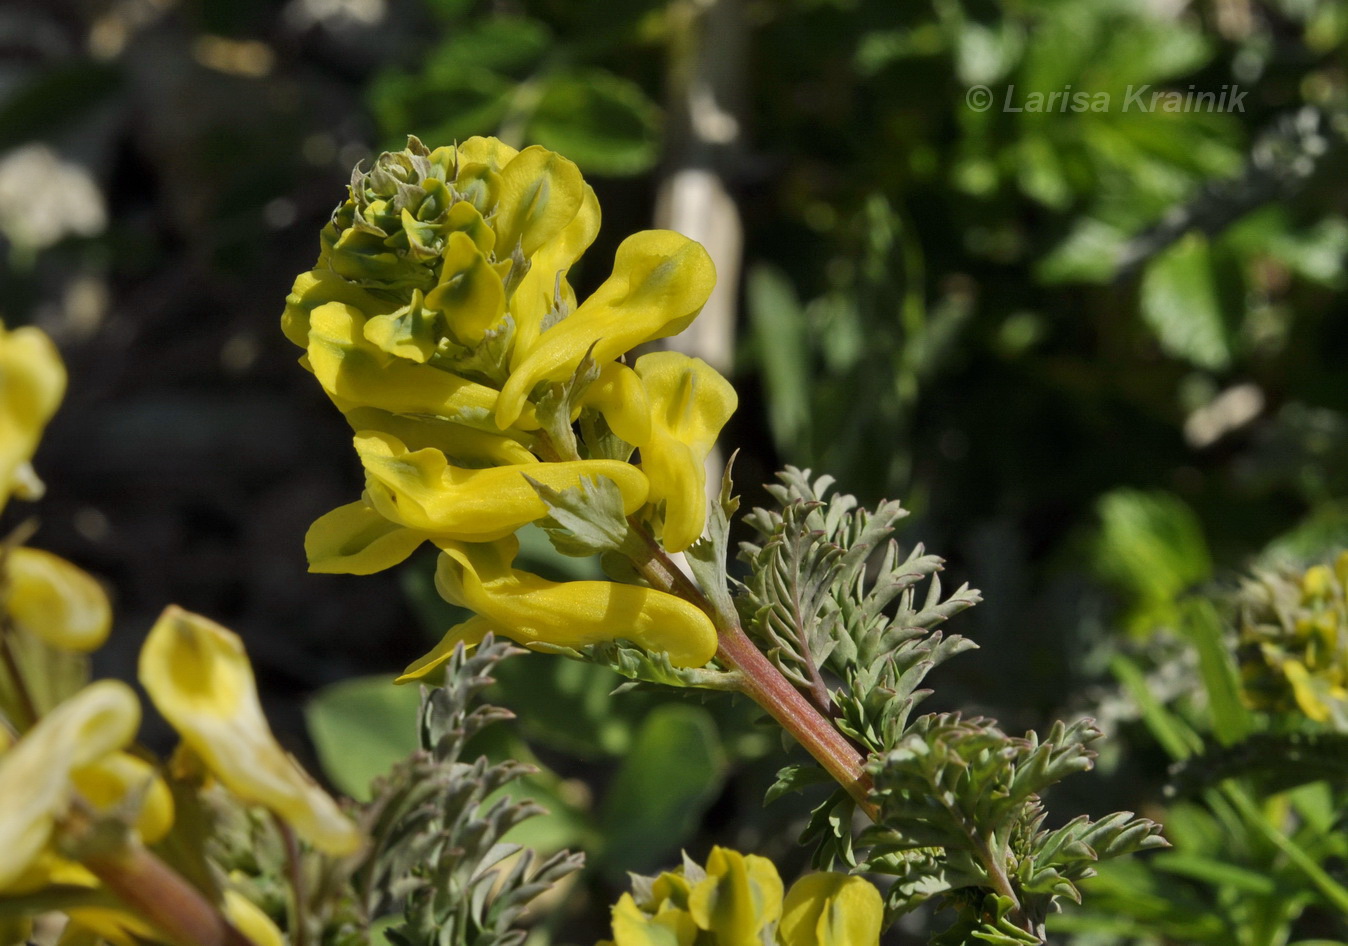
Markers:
{"x": 1097, "y": 352}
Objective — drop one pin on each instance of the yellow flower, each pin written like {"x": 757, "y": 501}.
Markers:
{"x": 356, "y": 540}
{"x": 530, "y": 609}
{"x": 358, "y": 373}
{"x": 737, "y": 901}
{"x": 198, "y": 676}
{"x": 251, "y": 921}
{"x": 690, "y": 403}
{"x": 660, "y": 282}
{"x": 32, "y": 382}
{"x": 37, "y": 774}
{"x": 739, "y": 898}
{"x": 419, "y": 489}
{"x": 56, "y": 602}
{"x": 831, "y": 909}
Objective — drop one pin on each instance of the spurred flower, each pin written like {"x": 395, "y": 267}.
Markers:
{"x": 37, "y": 774}
{"x": 198, "y": 676}
{"x": 530, "y": 609}
{"x": 32, "y": 383}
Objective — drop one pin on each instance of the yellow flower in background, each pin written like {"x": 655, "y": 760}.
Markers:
{"x": 198, "y": 676}
{"x": 690, "y": 403}
{"x": 831, "y": 909}
{"x": 530, "y": 609}
{"x": 737, "y": 901}
{"x": 38, "y": 773}
{"x": 32, "y": 383}
{"x": 56, "y": 602}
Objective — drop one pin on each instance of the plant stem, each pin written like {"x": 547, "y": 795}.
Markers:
{"x": 763, "y": 683}
{"x": 161, "y": 895}
{"x": 299, "y": 932}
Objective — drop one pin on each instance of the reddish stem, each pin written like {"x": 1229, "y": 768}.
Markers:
{"x": 161, "y": 895}
{"x": 762, "y": 682}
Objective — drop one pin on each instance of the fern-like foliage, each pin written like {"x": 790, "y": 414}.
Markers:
{"x": 441, "y": 857}
{"x": 821, "y": 607}
{"x": 1275, "y": 761}
{"x": 840, "y": 610}
{"x": 961, "y": 817}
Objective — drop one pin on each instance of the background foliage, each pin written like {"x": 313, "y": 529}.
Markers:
{"x": 1098, "y": 355}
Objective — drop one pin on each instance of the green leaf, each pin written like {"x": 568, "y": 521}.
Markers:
{"x": 603, "y": 122}
{"x": 673, "y": 771}
{"x": 707, "y": 556}
{"x": 779, "y": 334}
{"x": 1151, "y": 545}
{"x": 1215, "y": 872}
{"x": 1169, "y": 730}
{"x": 1231, "y": 719}
{"x": 1181, "y": 303}
{"x": 361, "y": 728}
{"x": 584, "y": 520}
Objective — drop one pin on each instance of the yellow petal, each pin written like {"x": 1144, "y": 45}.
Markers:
{"x": 57, "y": 602}
{"x": 831, "y": 909}
{"x": 538, "y": 291}
{"x": 355, "y": 540}
{"x": 469, "y": 446}
{"x": 541, "y": 192}
{"x": 468, "y": 633}
{"x": 422, "y": 491}
{"x": 484, "y": 149}
{"x": 250, "y": 920}
{"x": 350, "y": 368}
{"x": 740, "y": 897}
{"x": 315, "y": 288}
{"x": 107, "y": 784}
{"x": 1305, "y": 691}
{"x": 411, "y": 332}
{"x": 36, "y": 773}
{"x": 620, "y": 396}
{"x": 659, "y": 284}
{"x": 690, "y": 403}
{"x": 632, "y": 927}
{"x": 32, "y": 383}
{"x": 199, "y": 678}
{"x": 530, "y": 609}
{"x": 470, "y": 293}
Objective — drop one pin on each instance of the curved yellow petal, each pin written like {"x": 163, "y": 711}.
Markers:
{"x": 539, "y": 290}
{"x": 318, "y": 287}
{"x": 468, "y": 633}
{"x": 620, "y": 396}
{"x": 421, "y": 490}
{"x": 107, "y": 783}
{"x": 739, "y": 898}
{"x": 32, "y": 383}
{"x": 660, "y": 282}
{"x": 831, "y": 909}
{"x": 57, "y": 602}
{"x": 355, "y": 540}
{"x": 541, "y": 192}
{"x": 251, "y": 920}
{"x": 470, "y": 293}
{"x": 633, "y": 927}
{"x": 484, "y": 149}
{"x": 198, "y": 676}
{"x": 690, "y": 403}
{"x": 530, "y": 609}
{"x": 36, "y": 774}
{"x": 351, "y": 368}
{"x": 469, "y": 446}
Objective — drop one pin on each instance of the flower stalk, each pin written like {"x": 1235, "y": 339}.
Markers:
{"x": 760, "y": 680}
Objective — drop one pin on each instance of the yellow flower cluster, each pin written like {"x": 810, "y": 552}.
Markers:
{"x": 737, "y": 901}
{"x": 1294, "y": 642}
{"x": 66, "y": 756}
{"x": 439, "y": 320}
